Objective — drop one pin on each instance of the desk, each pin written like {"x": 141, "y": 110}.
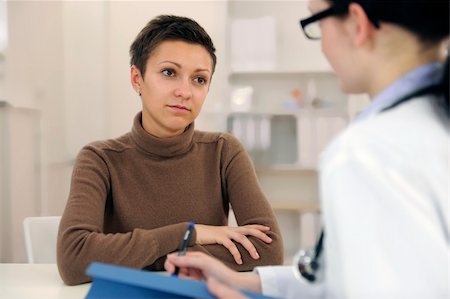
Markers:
{"x": 36, "y": 281}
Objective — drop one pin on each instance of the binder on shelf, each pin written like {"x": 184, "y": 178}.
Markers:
{"x": 111, "y": 281}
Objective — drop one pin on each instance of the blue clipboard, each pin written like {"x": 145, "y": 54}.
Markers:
{"x": 111, "y": 281}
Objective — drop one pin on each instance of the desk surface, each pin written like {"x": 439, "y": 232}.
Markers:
{"x": 36, "y": 281}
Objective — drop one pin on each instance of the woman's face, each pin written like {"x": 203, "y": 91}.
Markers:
{"x": 336, "y": 44}
{"x": 174, "y": 86}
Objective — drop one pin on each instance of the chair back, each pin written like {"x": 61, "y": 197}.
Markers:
{"x": 40, "y": 239}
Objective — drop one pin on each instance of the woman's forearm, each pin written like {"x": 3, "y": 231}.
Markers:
{"x": 248, "y": 281}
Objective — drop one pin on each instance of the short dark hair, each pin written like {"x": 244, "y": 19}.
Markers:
{"x": 168, "y": 27}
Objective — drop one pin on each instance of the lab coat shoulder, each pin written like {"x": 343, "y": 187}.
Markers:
{"x": 409, "y": 144}
{"x": 384, "y": 191}
{"x": 401, "y": 134}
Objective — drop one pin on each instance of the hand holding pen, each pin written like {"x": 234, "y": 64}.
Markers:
{"x": 184, "y": 244}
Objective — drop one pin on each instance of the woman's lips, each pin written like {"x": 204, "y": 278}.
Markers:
{"x": 179, "y": 108}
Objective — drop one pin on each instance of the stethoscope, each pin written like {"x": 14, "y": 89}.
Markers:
{"x": 308, "y": 263}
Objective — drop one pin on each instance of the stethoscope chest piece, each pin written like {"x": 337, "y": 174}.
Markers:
{"x": 308, "y": 264}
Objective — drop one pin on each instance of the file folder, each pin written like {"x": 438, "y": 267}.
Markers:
{"x": 111, "y": 281}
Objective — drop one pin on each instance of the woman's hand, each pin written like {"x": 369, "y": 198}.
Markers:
{"x": 225, "y": 235}
{"x": 200, "y": 266}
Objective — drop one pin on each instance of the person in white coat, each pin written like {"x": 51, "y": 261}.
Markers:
{"x": 384, "y": 181}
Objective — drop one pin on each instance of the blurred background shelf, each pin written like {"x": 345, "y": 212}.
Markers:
{"x": 284, "y": 106}
{"x": 301, "y": 206}
{"x": 279, "y": 72}
{"x": 285, "y": 170}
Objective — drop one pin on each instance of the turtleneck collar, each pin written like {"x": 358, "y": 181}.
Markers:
{"x": 163, "y": 147}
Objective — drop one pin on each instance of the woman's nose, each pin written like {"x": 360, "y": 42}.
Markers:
{"x": 183, "y": 89}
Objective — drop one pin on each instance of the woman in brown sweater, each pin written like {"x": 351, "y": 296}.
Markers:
{"x": 131, "y": 198}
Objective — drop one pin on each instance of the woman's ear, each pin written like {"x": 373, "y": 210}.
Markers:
{"x": 363, "y": 29}
{"x": 136, "y": 78}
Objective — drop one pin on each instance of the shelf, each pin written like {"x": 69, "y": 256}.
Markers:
{"x": 285, "y": 170}
{"x": 300, "y": 112}
{"x": 306, "y": 206}
{"x": 305, "y": 72}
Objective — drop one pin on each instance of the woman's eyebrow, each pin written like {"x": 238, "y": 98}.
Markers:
{"x": 168, "y": 61}
{"x": 179, "y": 66}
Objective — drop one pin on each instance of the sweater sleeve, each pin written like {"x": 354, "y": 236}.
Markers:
{"x": 250, "y": 206}
{"x": 81, "y": 239}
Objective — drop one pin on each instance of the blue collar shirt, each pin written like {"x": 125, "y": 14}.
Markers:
{"x": 418, "y": 78}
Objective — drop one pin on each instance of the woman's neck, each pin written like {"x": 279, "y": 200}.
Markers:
{"x": 395, "y": 55}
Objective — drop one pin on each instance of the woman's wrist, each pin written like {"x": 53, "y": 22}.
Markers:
{"x": 248, "y": 281}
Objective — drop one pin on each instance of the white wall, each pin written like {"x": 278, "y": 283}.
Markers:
{"x": 85, "y": 73}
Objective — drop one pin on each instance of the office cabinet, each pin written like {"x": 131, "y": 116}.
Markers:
{"x": 20, "y": 177}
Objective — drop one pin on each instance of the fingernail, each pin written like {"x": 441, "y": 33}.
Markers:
{"x": 256, "y": 255}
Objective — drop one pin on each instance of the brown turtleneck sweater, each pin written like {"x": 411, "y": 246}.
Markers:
{"x": 131, "y": 198}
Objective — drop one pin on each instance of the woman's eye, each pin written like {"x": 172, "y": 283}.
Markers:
{"x": 168, "y": 73}
{"x": 200, "y": 80}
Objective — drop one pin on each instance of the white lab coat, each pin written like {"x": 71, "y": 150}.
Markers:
{"x": 385, "y": 200}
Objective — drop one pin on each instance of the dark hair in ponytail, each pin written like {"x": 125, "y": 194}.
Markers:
{"x": 427, "y": 19}
{"x": 443, "y": 103}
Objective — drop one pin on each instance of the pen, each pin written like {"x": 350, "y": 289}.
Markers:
{"x": 184, "y": 244}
